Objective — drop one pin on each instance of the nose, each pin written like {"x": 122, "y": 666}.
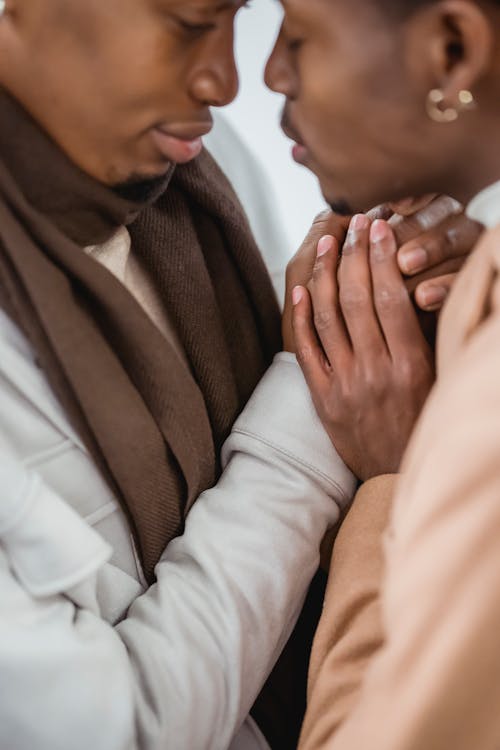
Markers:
{"x": 215, "y": 81}
{"x": 278, "y": 75}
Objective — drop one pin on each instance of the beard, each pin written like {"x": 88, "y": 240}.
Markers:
{"x": 341, "y": 207}
{"x": 138, "y": 189}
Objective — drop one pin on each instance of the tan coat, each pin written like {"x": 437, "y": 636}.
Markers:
{"x": 407, "y": 655}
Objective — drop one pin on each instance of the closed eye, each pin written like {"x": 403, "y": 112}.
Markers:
{"x": 196, "y": 28}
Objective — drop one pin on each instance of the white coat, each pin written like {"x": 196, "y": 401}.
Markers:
{"x": 91, "y": 659}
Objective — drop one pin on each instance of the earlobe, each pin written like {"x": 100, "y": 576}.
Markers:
{"x": 466, "y": 52}
{"x": 439, "y": 111}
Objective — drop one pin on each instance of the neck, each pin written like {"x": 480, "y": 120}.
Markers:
{"x": 478, "y": 168}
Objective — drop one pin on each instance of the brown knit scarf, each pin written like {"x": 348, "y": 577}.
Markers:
{"x": 153, "y": 425}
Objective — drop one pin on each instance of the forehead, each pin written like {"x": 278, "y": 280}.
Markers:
{"x": 214, "y": 6}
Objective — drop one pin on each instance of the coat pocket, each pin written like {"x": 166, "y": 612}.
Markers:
{"x": 49, "y": 547}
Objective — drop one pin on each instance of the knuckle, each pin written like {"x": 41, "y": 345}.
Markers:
{"x": 319, "y": 227}
{"x": 323, "y": 216}
{"x": 437, "y": 211}
{"x": 318, "y": 268}
{"x": 373, "y": 382}
{"x": 304, "y": 354}
{"x": 354, "y": 296}
{"x": 298, "y": 321}
{"x": 388, "y": 299}
{"x": 453, "y": 236}
{"x": 345, "y": 392}
{"x": 442, "y": 244}
{"x": 381, "y": 252}
{"x": 294, "y": 262}
{"x": 290, "y": 272}
{"x": 414, "y": 373}
{"x": 461, "y": 235}
{"x": 332, "y": 413}
{"x": 323, "y": 319}
{"x": 298, "y": 270}
{"x": 406, "y": 371}
{"x": 450, "y": 239}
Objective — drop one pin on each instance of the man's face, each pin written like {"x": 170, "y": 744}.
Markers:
{"x": 354, "y": 104}
{"x": 123, "y": 86}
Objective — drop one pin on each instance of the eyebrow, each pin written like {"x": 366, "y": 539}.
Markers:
{"x": 226, "y": 4}
{"x": 219, "y": 7}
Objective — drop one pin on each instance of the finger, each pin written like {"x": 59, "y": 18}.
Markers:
{"x": 323, "y": 288}
{"x": 431, "y": 295}
{"x": 309, "y": 353}
{"x": 393, "y": 305}
{"x": 453, "y": 238}
{"x": 300, "y": 267}
{"x": 410, "y": 206}
{"x": 383, "y": 211}
{"x": 452, "y": 266}
{"x": 356, "y": 292}
{"x": 409, "y": 227}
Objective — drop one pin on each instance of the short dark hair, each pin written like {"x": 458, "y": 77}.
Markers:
{"x": 404, "y": 8}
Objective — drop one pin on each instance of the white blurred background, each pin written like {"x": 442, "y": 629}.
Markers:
{"x": 256, "y": 115}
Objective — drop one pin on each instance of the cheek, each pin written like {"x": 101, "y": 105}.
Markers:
{"x": 332, "y": 115}
{"x": 347, "y": 94}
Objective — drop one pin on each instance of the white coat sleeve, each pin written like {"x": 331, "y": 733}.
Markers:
{"x": 184, "y": 667}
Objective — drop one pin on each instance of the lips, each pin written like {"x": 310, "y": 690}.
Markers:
{"x": 299, "y": 150}
{"x": 299, "y": 153}
{"x": 182, "y": 142}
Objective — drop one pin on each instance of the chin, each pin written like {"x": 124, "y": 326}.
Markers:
{"x": 341, "y": 207}
{"x": 136, "y": 174}
{"x": 338, "y": 203}
{"x": 138, "y": 187}
{"x": 348, "y": 205}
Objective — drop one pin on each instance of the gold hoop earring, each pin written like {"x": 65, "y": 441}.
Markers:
{"x": 435, "y": 110}
{"x": 438, "y": 113}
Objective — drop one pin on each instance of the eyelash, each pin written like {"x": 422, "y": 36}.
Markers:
{"x": 194, "y": 28}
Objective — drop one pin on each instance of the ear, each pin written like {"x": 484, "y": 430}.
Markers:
{"x": 459, "y": 45}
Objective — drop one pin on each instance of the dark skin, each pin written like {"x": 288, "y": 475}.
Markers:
{"x": 138, "y": 64}
{"x": 130, "y": 66}
{"x": 439, "y": 251}
{"x": 361, "y": 348}
{"x": 361, "y": 118}
{"x": 356, "y": 331}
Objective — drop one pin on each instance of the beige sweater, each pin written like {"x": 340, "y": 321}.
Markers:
{"x": 407, "y": 656}
{"x": 116, "y": 255}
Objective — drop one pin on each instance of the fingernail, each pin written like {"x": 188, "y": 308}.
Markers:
{"x": 324, "y": 245}
{"x": 297, "y": 294}
{"x": 433, "y": 296}
{"x": 379, "y": 231}
{"x": 413, "y": 260}
{"x": 359, "y": 221}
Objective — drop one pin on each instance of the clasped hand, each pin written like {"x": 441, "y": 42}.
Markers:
{"x": 357, "y": 335}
